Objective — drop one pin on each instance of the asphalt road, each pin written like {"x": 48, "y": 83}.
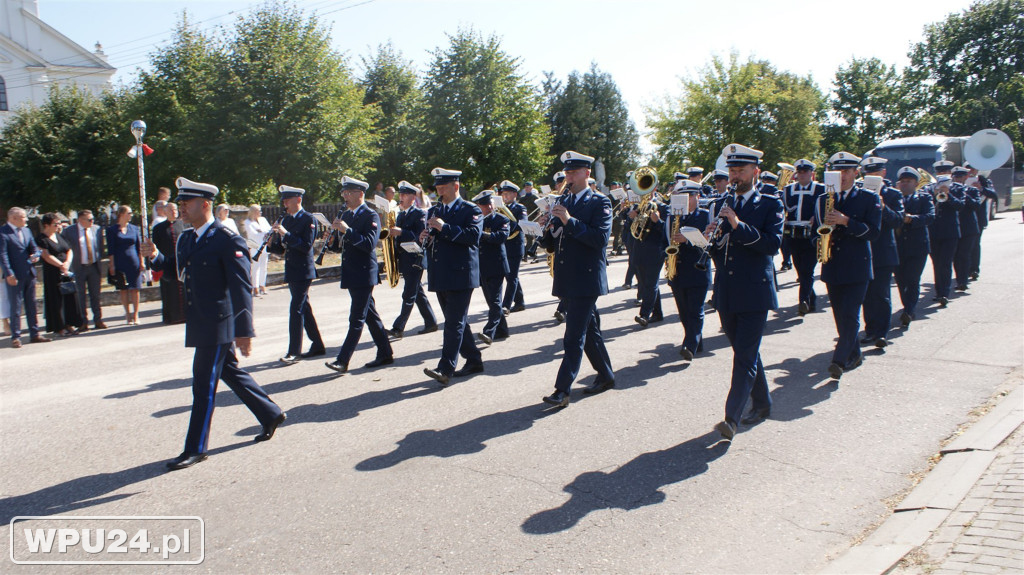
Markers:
{"x": 383, "y": 471}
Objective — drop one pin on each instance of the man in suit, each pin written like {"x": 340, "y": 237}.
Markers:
{"x": 87, "y": 245}
{"x": 18, "y": 255}
{"x": 359, "y": 229}
{"x": 749, "y": 237}
{"x": 409, "y": 222}
{"x": 798, "y": 198}
{"x": 580, "y": 225}
{"x": 884, "y": 259}
{"x": 912, "y": 241}
{"x": 944, "y": 233}
{"x": 855, "y": 219}
{"x": 689, "y": 284}
{"x": 297, "y": 232}
{"x": 515, "y": 247}
{"x": 452, "y": 241}
{"x": 494, "y": 267}
{"x": 165, "y": 237}
{"x": 213, "y": 264}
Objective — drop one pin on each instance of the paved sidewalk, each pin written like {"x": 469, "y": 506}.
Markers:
{"x": 985, "y": 533}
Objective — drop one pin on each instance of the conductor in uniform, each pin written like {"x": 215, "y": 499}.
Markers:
{"x": 690, "y": 283}
{"x": 515, "y": 247}
{"x": 799, "y": 198}
{"x": 409, "y": 222}
{"x": 494, "y": 266}
{"x": 452, "y": 243}
{"x": 884, "y": 259}
{"x": 912, "y": 241}
{"x": 746, "y": 240}
{"x": 296, "y": 232}
{"x": 213, "y": 264}
{"x": 581, "y": 223}
{"x": 359, "y": 229}
{"x": 856, "y": 217}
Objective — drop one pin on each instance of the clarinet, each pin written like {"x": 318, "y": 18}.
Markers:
{"x": 266, "y": 240}
{"x": 327, "y": 242}
{"x": 702, "y": 263}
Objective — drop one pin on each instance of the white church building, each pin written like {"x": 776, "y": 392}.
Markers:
{"x": 34, "y": 56}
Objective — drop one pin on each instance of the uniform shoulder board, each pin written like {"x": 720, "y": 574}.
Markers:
{"x": 227, "y": 231}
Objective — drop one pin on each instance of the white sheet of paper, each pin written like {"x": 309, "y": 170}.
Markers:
{"x": 694, "y": 236}
{"x": 618, "y": 193}
{"x": 531, "y": 228}
{"x": 634, "y": 197}
{"x": 497, "y": 202}
{"x": 679, "y": 204}
{"x": 382, "y": 203}
{"x": 545, "y": 189}
{"x": 322, "y": 219}
{"x": 411, "y": 247}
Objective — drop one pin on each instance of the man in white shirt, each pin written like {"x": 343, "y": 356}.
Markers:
{"x": 87, "y": 243}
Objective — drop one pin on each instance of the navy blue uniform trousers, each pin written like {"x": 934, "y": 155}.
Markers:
{"x": 210, "y": 365}
{"x": 647, "y": 277}
{"x": 496, "y": 325}
{"x": 943, "y": 252}
{"x": 300, "y": 317}
{"x": 963, "y": 260}
{"x": 846, "y": 303}
{"x": 805, "y": 259}
{"x": 363, "y": 311}
{"x": 908, "y": 281}
{"x": 744, "y": 331}
{"x": 690, "y": 303}
{"x": 458, "y": 337}
{"x": 513, "y": 289}
{"x": 413, "y": 294}
{"x": 878, "y": 304}
{"x": 582, "y": 336}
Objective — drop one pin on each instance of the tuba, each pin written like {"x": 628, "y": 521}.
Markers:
{"x": 644, "y": 181}
{"x": 501, "y": 208}
{"x": 786, "y": 172}
{"x": 926, "y": 179}
{"x": 988, "y": 149}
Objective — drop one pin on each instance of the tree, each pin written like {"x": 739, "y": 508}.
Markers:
{"x": 867, "y": 106}
{"x": 481, "y": 115}
{"x": 589, "y": 115}
{"x": 69, "y": 153}
{"x": 750, "y": 103}
{"x": 391, "y": 84}
{"x": 968, "y": 72}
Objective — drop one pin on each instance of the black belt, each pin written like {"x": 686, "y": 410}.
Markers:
{"x": 797, "y": 232}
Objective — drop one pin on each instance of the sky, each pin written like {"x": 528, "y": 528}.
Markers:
{"x": 647, "y": 46}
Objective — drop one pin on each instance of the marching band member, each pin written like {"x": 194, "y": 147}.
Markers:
{"x": 494, "y": 266}
{"x": 721, "y": 181}
{"x": 970, "y": 229}
{"x": 647, "y": 257}
{"x": 884, "y": 259}
{"x": 528, "y": 198}
{"x": 453, "y": 272}
{"x": 514, "y": 248}
{"x": 690, "y": 285}
{"x": 696, "y": 174}
{"x": 213, "y": 263}
{"x": 766, "y": 184}
{"x": 798, "y": 235}
{"x": 617, "y": 231}
{"x": 625, "y": 208}
{"x": 751, "y": 224}
{"x": 944, "y": 233}
{"x": 359, "y": 230}
{"x": 408, "y": 224}
{"x": 581, "y": 223}
{"x": 912, "y": 241}
{"x": 988, "y": 192}
{"x": 560, "y": 308}
{"x": 297, "y": 232}
{"x": 856, "y": 218}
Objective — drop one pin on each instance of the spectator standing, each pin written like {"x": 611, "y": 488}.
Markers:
{"x": 60, "y": 303}
{"x": 124, "y": 240}
{"x": 256, "y": 229}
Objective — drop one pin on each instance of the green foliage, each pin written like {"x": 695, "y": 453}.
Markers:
{"x": 748, "y": 103}
{"x": 391, "y": 84}
{"x": 69, "y": 154}
{"x": 967, "y": 73}
{"x": 481, "y": 115}
{"x": 867, "y": 107}
{"x": 588, "y": 115}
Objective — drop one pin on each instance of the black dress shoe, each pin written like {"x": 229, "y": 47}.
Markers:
{"x": 803, "y": 309}
{"x": 656, "y": 318}
{"x": 756, "y": 416}
{"x": 641, "y": 320}
{"x": 835, "y": 370}
{"x": 336, "y": 366}
{"x": 867, "y": 339}
{"x": 943, "y": 302}
{"x": 974, "y": 276}
{"x": 687, "y": 354}
{"x": 518, "y": 307}
{"x": 270, "y": 428}
{"x": 469, "y": 369}
{"x": 436, "y": 375}
{"x": 387, "y": 360}
{"x": 428, "y": 329}
{"x": 599, "y": 385}
{"x": 559, "y": 316}
{"x": 727, "y": 428}
{"x": 484, "y": 338}
{"x": 961, "y": 288}
{"x": 558, "y": 399}
{"x": 905, "y": 319}
{"x": 314, "y": 352}
{"x": 290, "y": 359}
{"x": 881, "y": 342}
{"x": 854, "y": 364}
{"x": 186, "y": 460}
{"x": 395, "y": 333}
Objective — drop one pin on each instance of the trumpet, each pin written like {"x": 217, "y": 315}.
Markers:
{"x": 942, "y": 190}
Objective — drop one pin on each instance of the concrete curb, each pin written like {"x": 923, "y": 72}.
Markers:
{"x": 914, "y": 520}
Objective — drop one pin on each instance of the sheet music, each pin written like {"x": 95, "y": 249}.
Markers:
{"x": 321, "y": 219}
{"x": 618, "y": 193}
{"x": 382, "y": 203}
{"x": 530, "y": 228}
{"x": 694, "y": 236}
{"x": 679, "y": 204}
{"x": 411, "y": 247}
{"x": 545, "y": 189}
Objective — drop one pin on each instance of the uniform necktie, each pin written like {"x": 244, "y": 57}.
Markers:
{"x": 739, "y": 204}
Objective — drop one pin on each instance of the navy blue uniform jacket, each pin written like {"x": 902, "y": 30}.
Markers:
{"x": 218, "y": 291}
{"x": 912, "y": 237}
{"x": 580, "y": 264}
{"x": 359, "y": 248}
{"x": 454, "y": 252}
{"x": 493, "y": 259}
{"x": 686, "y": 274}
{"x": 744, "y": 271}
{"x": 298, "y": 244}
{"x": 947, "y": 214}
{"x": 851, "y": 244}
{"x": 883, "y": 248}
{"x": 412, "y": 222}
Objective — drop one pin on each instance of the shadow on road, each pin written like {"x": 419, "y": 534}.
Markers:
{"x": 634, "y": 485}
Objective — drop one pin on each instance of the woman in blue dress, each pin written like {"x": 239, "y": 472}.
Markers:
{"x": 123, "y": 244}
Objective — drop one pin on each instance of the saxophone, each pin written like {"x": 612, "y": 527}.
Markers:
{"x": 824, "y": 251}
{"x": 672, "y": 251}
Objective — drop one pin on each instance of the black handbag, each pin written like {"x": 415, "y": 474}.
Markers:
{"x": 67, "y": 285}
{"x": 118, "y": 280}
